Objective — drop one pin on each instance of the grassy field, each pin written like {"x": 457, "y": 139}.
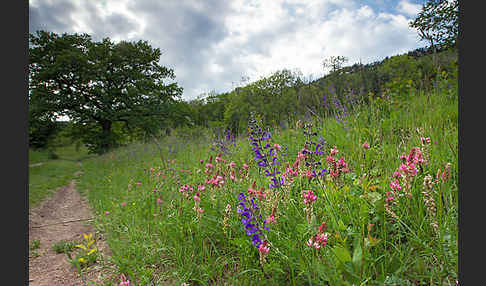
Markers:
{"x": 46, "y": 177}
{"x": 188, "y": 214}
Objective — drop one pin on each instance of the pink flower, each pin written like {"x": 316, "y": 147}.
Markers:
{"x": 154, "y": 215}
{"x": 366, "y": 145}
{"x": 271, "y": 219}
{"x": 218, "y": 159}
{"x": 196, "y": 198}
{"x": 308, "y": 174}
{"x": 397, "y": 174}
{"x": 124, "y": 281}
{"x": 245, "y": 166}
{"x": 278, "y": 147}
{"x": 232, "y": 164}
{"x": 395, "y": 185}
{"x": 123, "y": 204}
{"x": 159, "y": 201}
{"x": 263, "y": 248}
{"x": 201, "y": 188}
{"x": 155, "y": 191}
{"x": 425, "y": 140}
{"x": 107, "y": 213}
{"x": 334, "y": 151}
{"x": 309, "y": 196}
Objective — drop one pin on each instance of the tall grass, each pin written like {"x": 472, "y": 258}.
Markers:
{"x": 168, "y": 242}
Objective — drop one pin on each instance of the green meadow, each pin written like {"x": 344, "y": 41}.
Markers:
{"x": 170, "y": 218}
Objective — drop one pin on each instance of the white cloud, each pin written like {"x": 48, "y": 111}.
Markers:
{"x": 409, "y": 8}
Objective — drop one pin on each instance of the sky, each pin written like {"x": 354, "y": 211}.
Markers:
{"x": 213, "y": 44}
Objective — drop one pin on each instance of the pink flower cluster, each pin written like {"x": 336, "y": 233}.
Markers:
{"x": 425, "y": 140}
{"x": 264, "y": 249}
{"x": 124, "y": 281}
{"x": 291, "y": 172}
{"x": 184, "y": 189}
{"x": 320, "y": 239}
{"x": 209, "y": 168}
{"x": 336, "y": 167}
{"x": 309, "y": 197}
{"x": 216, "y": 181}
{"x": 258, "y": 193}
{"x": 403, "y": 176}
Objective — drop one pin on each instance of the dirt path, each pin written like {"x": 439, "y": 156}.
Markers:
{"x": 64, "y": 217}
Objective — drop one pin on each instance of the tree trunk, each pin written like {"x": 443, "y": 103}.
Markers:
{"x": 106, "y": 142}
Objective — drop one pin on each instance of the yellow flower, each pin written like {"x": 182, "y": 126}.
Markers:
{"x": 82, "y": 260}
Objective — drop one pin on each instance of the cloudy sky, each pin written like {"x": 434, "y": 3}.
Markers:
{"x": 212, "y": 44}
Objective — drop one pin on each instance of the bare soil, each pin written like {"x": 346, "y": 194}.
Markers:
{"x": 66, "y": 216}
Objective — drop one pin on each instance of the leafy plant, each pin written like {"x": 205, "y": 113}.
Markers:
{"x": 63, "y": 246}
{"x": 87, "y": 255}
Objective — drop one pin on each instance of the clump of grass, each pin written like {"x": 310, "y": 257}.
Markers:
{"x": 33, "y": 246}
{"x": 64, "y": 246}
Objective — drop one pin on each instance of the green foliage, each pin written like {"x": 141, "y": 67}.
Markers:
{"x": 87, "y": 254}
{"x": 63, "y": 246}
{"x": 437, "y": 22}
{"x": 98, "y": 83}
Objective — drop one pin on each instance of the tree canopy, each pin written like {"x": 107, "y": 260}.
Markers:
{"x": 437, "y": 22}
{"x": 99, "y": 83}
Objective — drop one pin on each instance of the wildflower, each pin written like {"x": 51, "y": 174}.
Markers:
{"x": 271, "y": 219}
{"x": 107, "y": 212}
{"x": 201, "y": 188}
{"x": 309, "y": 196}
{"x": 425, "y": 140}
{"x": 123, "y": 204}
{"x": 154, "y": 214}
{"x": 245, "y": 166}
{"x": 124, "y": 281}
{"x": 334, "y": 151}
{"x": 300, "y": 156}
{"x": 397, "y": 174}
{"x": 247, "y": 210}
{"x": 366, "y": 145}
{"x": 320, "y": 239}
{"x": 196, "y": 197}
{"x": 277, "y": 147}
{"x": 159, "y": 201}
{"x": 395, "y": 185}
{"x": 429, "y": 201}
{"x": 263, "y": 251}
{"x": 209, "y": 168}
{"x": 227, "y": 212}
